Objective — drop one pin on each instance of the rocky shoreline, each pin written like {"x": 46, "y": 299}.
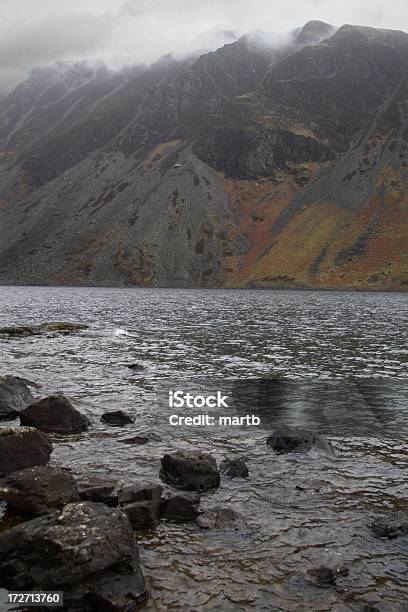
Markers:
{"x": 81, "y": 536}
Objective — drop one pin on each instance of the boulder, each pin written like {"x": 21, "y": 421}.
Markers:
{"x": 38, "y": 490}
{"x": 221, "y": 517}
{"x": 97, "y": 490}
{"x": 234, "y": 468}
{"x": 54, "y": 414}
{"x": 86, "y": 550}
{"x": 391, "y": 527}
{"x": 181, "y": 507}
{"x": 190, "y": 470}
{"x": 290, "y": 439}
{"x": 21, "y": 448}
{"x": 15, "y": 395}
{"x": 116, "y": 418}
{"x": 141, "y": 503}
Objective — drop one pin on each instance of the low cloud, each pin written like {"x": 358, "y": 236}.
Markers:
{"x": 121, "y": 32}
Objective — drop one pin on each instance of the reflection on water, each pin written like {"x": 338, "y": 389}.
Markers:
{"x": 361, "y": 408}
{"x": 338, "y": 363}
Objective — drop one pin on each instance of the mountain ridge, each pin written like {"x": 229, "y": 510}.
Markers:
{"x": 249, "y": 166}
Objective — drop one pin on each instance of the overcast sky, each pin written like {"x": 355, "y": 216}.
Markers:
{"x": 38, "y": 32}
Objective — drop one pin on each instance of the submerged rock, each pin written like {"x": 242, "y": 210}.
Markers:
{"x": 54, "y": 414}
{"x": 58, "y": 327}
{"x": 141, "y": 503}
{"x": 116, "y": 418}
{"x": 391, "y": 527}
{"x": 297, "y": 439}
{"x": 15, "y": 395}
{"x": 38, "y": 490}
{"x": 86, "y": 550}
{"x": 181, "y": 507}
{"x": 326, "y": 576}
{"x": 136, "y": 366}
{"x": 190, "y": 470}
{"x": 21, "y": 448}
{"x": 234, "y": 468}
{"x": 221, "y": 517}
{"x": 97, "y": 490}
{"x": 141, "y": 439}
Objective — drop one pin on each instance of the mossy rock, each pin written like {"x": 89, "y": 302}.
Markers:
{"x": 59, "y": 327}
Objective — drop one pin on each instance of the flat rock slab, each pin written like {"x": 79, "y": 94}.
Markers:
{"x": 97, "y": 490}
{"x": 15, "y": 395}
{"x": 90, "y": 553}
{"x": 58, "y": 327}
{"x": 190, "y": 470}
{"x": 38, "y": 490}
{"x": 22, "y": 447}
{"x": 55, "y": 414}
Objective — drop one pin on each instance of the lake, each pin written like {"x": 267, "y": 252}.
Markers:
{"x": 337, "y": 362}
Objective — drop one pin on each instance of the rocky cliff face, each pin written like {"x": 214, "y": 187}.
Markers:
{"x": 249, "y": 166}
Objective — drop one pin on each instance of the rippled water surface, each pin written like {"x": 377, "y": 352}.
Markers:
{"x": 302, "y": 509}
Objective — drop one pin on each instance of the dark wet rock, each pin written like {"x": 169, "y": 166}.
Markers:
{"x": 297, "y": 439}
{"x": 181, "y": 507}
{"x": 116, "y": 418}
{"x": 55, "y": 414}
{"x": 141, "y": 514}
{"x": 97, "y": 490}
{"x": 140, "y": 492}
{"x": 326, "y": 576}
{"x": 234, "y": 468}
{"x": 15, "y": 395}
{"x": 141, "y": 503}
{"x": 141, "y": 439}
{"x": 21, "y": 448}
{"x": 221, "y": 517}
{"x": 137, "y": 367}
{"x": 58, "y": 327}
{"x": 86, "y": 550}
{"x": 38, "y": 490}
{"x": 391, "y": 527}
{"x": 190, "y": 470}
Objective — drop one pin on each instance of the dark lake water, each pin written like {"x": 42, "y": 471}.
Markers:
{"x": 339, "y": 363}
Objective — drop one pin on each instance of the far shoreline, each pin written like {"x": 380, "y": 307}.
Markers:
{"x": 302, "y": 289}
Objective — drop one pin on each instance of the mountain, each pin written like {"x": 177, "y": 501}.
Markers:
{"x": 266, "y": 163}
